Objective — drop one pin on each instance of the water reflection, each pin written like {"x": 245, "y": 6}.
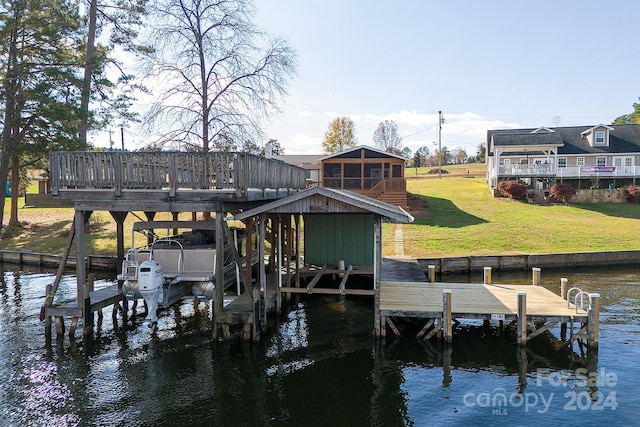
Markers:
{"x": 320, "y": 365}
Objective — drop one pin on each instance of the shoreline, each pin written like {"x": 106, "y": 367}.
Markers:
{"x": 443, "y": 265}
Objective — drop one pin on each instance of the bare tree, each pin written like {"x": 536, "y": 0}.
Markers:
{"x": 387, "y": 137}
{"x": 219, "y": 75}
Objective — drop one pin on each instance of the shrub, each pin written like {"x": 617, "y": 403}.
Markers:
{"x": 633, "y": 194}
{"x": 562, "y": 192}
{"x": 515, "y": 189}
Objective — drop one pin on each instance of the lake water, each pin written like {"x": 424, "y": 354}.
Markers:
{"x": 320, "y": 365}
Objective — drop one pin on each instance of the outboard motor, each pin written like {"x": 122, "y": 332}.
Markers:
{"x": 150, "y": 282}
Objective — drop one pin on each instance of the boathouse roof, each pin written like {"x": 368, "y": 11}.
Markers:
{"x": 329, "y": 200}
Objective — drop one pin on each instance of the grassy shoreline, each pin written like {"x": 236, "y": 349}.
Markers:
{"x": 460, "y": 218}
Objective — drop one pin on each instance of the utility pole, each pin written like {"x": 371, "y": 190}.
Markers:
{"x": 440, "y": 120}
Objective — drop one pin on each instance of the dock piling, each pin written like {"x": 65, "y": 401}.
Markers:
{"x": 522, "y": 318}
{"x": 536, "y": 276}
{"x": 446, "y": 315}
{"x": 593, "y": 319}
{"x": 487, "y": 276}
{"x": 563, "y": 287}
{"x": 432, "y": 273}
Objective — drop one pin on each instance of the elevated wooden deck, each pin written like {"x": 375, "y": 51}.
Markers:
{"x": 168, "y": 181}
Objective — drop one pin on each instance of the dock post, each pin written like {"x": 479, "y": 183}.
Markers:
{"x": 446, "y": 315}
{"x": 593, "y": 318}
{"x": 487, "y": 275}
{"x": 536, "y": 276}
{"x": 563, "y": 287}
{"x": 432, "y": 273}
{"x": 47, "y": 319}
{"x": 376, "y": 313}
{"x": 522, "y": 318}
{"x": 88, "y": 312}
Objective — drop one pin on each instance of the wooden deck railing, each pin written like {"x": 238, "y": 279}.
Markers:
{"x": 122, "y": 170}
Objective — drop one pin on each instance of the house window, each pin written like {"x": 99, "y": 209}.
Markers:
{"x": 601, "y": 161}
{"x": 600, "y": 137}
{"x": 562, "y": 162}
{"x": 579, "y": 161}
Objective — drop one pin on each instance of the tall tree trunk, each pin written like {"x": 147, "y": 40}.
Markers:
{"x": 15, "y": 191}
{"x": 88, "y": 72}
{"x": 11, "y": 118}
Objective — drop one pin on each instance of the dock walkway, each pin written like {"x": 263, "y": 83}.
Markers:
{"x": 401, "y": 269}
{"x": 474, "y": 301}
{"x": 437, "y": 305}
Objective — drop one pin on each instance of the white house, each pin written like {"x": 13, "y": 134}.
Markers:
{"x": 584, "y": 156}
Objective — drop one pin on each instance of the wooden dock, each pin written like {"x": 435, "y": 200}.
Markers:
{"x": 99, "y": 299}
{"x": 401, "y": 269}
{"x": 438, "y": 304}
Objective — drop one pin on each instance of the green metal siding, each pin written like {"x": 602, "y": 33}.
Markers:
{"x": 329, "y": 238}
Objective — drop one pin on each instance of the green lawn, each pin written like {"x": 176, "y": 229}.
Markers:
{"x": 462, "y": 218}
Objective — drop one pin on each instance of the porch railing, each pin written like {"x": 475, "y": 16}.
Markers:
{"x": 531, "y": 170}
{"x": 570, "y": 171}
{"x": 122, "y": 170}
{"x": 373, "y": 187}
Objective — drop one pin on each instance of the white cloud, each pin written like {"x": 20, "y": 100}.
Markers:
{"x": 305, "y": 113}
{"x": 300, "y": 143}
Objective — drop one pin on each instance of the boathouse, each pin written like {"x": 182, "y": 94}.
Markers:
{"x": 315, "y": 233}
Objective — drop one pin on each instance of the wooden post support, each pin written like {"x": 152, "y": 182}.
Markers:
{"x": 279, "y": 269}
{"x": 432, "y": 273}
{"x": 487, "y": 275}
{"x": 446, "y": 315}
{"x": 47, "y": 319}
{"x": 298, "y": 253}
{"x": 88, "y": 312}
{"x": 563, "y": 287}
{"x": 218, "y": 290}
{"x": 594, "y": 315}
{"x": 376, "y": 313}
{"x": 522, "y": 318}
{"x": 262, "y": 234}
{"x": 536, "y": 276}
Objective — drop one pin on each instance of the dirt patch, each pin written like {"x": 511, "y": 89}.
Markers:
{"x": 416, "y": 204}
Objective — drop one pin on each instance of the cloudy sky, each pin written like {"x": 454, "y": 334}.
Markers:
{"x": 485, "y": 64}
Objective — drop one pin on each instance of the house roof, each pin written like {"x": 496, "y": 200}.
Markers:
{"x": 331, "y": 200}
{"x": 624, "y": 138}
{"x": 366, "y": 147}
{"x": 305, "y": 161}
{"x": 539, "y": 140}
